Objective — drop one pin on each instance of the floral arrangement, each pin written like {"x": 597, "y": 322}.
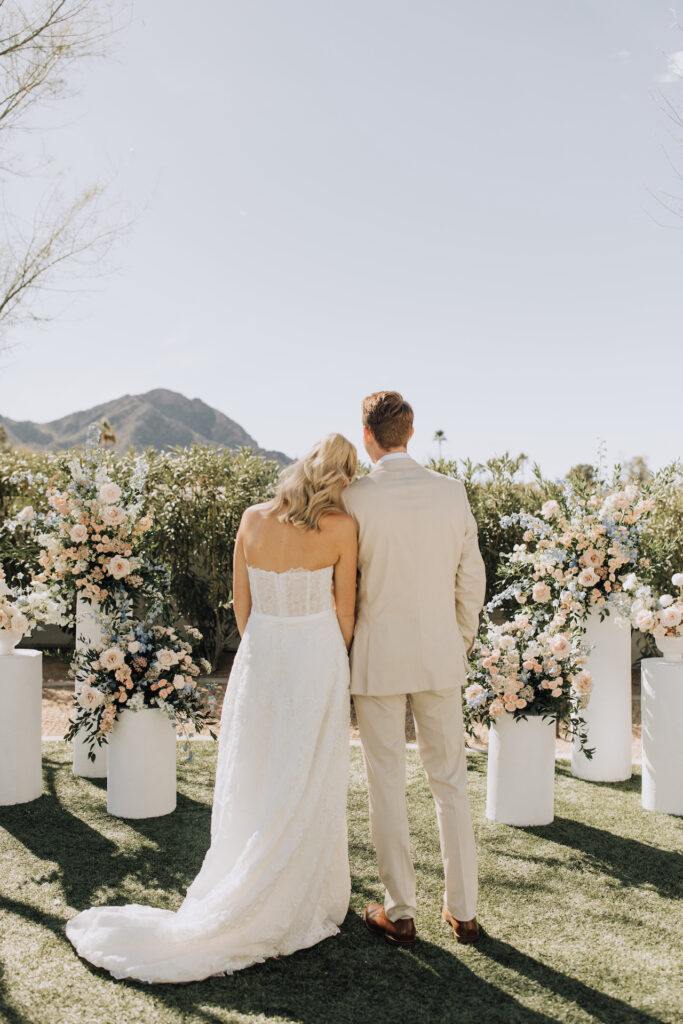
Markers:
{"x": 139, "y": 666}
{"x": 22, "y": 610}
{"x": 658, "y": 616}
{"x": 577, "y": 554}
{"x": 90, "y": 539}
{"x": 521, "y": 669}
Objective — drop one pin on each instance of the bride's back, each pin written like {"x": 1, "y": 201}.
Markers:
{"x": 275, "y": 546}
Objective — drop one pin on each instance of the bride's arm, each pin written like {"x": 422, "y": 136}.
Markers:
{"x": 345, "y": 579}
{"x": 241, "y": 592}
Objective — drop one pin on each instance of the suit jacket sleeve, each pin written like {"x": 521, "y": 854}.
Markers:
{"x": 470, "y": 583}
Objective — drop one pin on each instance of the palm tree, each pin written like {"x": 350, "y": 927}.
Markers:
{"x": 440, "y": 437}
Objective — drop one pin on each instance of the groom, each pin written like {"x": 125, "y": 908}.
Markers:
{"x": 420, "y": 591}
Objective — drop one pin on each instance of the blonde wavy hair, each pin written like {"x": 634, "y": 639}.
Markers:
{"x": 312, "y": 487}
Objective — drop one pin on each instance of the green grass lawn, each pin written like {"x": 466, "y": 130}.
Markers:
{"x": 581, "y": 917}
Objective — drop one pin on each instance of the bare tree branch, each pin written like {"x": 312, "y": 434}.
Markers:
{"x": 41, "y": 41}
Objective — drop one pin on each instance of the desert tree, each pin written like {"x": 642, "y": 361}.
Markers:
{"x": 41, "y": 44}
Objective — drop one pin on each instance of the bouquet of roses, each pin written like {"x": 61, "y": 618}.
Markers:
{"x": 520, "y": 668}
{"x": 659, "y": 616}
{"x": 22, "y": 610}
{"x": 139, "y": 666}
{"x": 91, "y": 537}
{"x": 577, "y": 554}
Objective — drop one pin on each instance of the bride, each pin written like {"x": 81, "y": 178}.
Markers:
{"x": 276, "y": 876}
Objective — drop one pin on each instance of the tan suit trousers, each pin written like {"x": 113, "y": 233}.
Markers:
{"x": 441, "y": 743}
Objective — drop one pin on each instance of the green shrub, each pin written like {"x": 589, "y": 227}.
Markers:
{"x": 494, "y": 490}
{"x": 197, "y": 496}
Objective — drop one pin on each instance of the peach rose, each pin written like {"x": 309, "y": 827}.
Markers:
{"x": 113, "y": 515}
{"x": 541, "y": 592}
{"x": 588, "y": 577}
{"x": 118, "y": 567}
{"x": 78, "y": 533}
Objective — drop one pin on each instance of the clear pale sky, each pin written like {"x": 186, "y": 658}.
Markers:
{"x": 455, "y": 200}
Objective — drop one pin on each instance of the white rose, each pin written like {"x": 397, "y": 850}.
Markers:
{"x": 26, "y": 514}
{"x": 644, "y": 620}
{"x": 110, "y": 493}
{"x": 78, "y": 533}
{"x": 112, "y": 658}
{"x": 90, "y": 698}
{"x": 520, "y": 598}
{"x": 19, "y": 623}
{"x": 167, "y": 659}
{"x": 668, "y": 617}
{"x": 118, "y": 567}
{"x": 179, "y": 681}
{"x": 112, "y": 515}
{"x": 134, "y": 646}
{"x": 506, "y": 642}
{"x": 677, "y": 579}
{"x": 665, "y": 600}
{"x": 588, "y": 577}
{"x": 549, "y": 509}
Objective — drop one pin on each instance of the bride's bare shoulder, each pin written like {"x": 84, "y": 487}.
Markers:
{"x": 338, "y": 522}
{"x": 255, "y": 513}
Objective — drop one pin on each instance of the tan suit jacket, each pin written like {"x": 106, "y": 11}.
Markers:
{"x": 421, "y": 580}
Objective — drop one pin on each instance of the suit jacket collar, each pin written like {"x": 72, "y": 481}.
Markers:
{"x": 406, "y": 464}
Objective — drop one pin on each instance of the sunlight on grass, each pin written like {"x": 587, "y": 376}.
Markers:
{"x": 581, "y": 917}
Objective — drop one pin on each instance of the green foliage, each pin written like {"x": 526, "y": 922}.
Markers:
{"x": 24, "y": 478}
{"x": 661, "y": 543}
{"x": 494, "y": 490}
{"x": 197, "y": 496}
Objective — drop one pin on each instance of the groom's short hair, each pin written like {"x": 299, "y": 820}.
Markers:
{"x": 389, "y": 418}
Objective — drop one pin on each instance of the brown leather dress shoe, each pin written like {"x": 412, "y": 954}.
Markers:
{"x": 398, "y": 933}
{"x": 464, "y": 931}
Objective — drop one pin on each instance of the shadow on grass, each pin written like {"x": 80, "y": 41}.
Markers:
{"x": 353, "y": 977}
{"x": 599, "y": 1006}
{"x": 631, "y": 785}
{"x": 170, "y": 860}
{"x": 631, "y": 862}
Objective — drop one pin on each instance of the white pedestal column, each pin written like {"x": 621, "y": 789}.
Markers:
{"x": 520, "y": 777}
{"x": 142, "y": 777}
{"x": 608, "y": 715}
{"x": 88, "y": 633}
{"x": 21, "y": 692}
{"x": 662, "y": 718}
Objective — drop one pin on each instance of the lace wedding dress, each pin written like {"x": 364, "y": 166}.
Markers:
{"x": 276, "y": 876}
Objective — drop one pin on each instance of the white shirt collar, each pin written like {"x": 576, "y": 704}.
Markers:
{"x": 392, "y": 455}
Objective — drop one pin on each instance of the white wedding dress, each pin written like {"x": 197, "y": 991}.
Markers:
{"x": 276, "y": 876}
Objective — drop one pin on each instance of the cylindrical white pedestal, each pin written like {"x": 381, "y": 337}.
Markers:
{"x": 662, "y": 717}
{"x": 142, "y": 753}
{"x": 608, "y": 715}
{"x": 21, "y": 692}
{"x": 520, "y": 777}
{"x": 88, "y": 633}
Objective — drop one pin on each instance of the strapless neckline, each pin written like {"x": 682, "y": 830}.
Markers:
{"x": 285, "y": 572}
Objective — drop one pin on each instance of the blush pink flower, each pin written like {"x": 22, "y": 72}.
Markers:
{"x": 541, "y": 592}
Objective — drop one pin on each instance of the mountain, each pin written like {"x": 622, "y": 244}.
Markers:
{"x": 158, "y": 419}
